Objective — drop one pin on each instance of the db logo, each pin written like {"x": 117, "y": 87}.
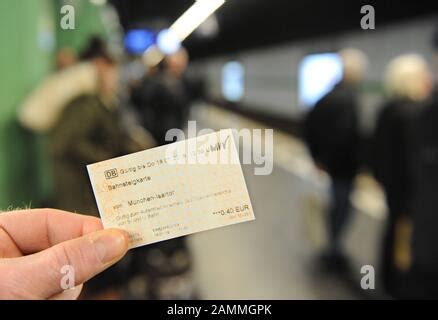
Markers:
{"x": 112, "y": 173}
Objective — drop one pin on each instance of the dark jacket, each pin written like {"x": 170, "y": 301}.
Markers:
{"x": 393, "y": 151}
{"x": 86, "y": 132}
{"x": 425, "y": 217}
{"x": 331, "y": 131}
{"x": 392, "y": 165}
{"x": 163, "y": 103}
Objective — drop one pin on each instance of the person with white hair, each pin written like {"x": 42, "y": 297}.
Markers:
{"x": 332, "y": 134}
{"x": 408, "y": 84}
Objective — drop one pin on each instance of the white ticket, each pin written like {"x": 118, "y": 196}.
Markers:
{"x": 173, "y": 190}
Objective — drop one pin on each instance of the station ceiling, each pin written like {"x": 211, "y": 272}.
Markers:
{"x": 245, "y": 24}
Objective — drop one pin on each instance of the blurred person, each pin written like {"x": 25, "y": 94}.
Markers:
{"x": 408, "y": 85}
{"x": 35, "y": 246}
{"x": 424, "y": 278}
{"x": 176, "y": 66}
{"x": 163, "y": 100}
{"x": 42, "y": 109}
{"x": 142, "y": 96}
{"x": 332, "y": 134}
{"x": 164, "y": 96}
{"x": 88, "y": 130}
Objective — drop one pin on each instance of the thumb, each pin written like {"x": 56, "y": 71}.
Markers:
{"x": 70, "y": 263}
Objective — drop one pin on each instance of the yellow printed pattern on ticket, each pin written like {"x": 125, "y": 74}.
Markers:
{"x": 173, "y": 190}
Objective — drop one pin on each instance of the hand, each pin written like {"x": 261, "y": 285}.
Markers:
{"x": 36, "y": 245}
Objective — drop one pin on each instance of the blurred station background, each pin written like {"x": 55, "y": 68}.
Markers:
{"x": 251, "y": 65}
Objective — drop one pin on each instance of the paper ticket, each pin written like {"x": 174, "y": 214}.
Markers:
{"x": 173, "y": 190}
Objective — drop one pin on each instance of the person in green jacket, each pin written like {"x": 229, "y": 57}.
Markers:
{"x": 88, "y": 130}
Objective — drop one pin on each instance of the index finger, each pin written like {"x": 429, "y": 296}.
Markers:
{"x": 38, "y": 229}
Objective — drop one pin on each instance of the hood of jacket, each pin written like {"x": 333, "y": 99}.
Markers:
{"x": 42, "y": 108}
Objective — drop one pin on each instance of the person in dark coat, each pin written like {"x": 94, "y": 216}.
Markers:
{"x": 331, "y": 132}
{"x": 163, "y": 100}
{"x": 164, "y": 96}
{"x": 393, "y": 151}
{"x": 423, "y": 273}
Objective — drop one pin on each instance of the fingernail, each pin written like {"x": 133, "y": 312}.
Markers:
{"x": 110, "y": 245}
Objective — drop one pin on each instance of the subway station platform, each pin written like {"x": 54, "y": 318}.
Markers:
{"x": 275, "y": 256}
